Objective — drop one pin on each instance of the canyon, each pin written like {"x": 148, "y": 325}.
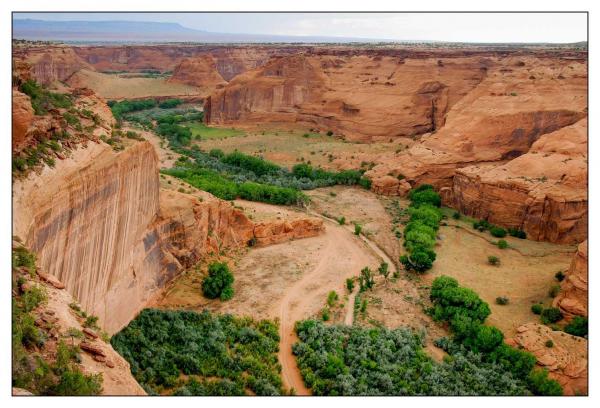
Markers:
{"x": 502, "y": 135}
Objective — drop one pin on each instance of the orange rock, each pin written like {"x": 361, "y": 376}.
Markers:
{"x": 22, "y": 118}
{"x": 573, "y": 296}
{"x": 92, "y": 349}
{"x": 566, "y": 360}
{"x": 199, "y": 71}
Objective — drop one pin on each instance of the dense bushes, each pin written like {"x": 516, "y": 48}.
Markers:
{"x": 122, "y": 107}
{"x": 421, "y": 230}
{"x": 42, "y": 100}
{"x": 578, "y": 326}
{"x": 227, "y": 189}
{"x": 344, "y": 177}
{"x": 218, "y": 282}
{"x": 352, "y": 360}
{"x": 466, "y": 312}
{"x": 551, "y": 315}
{"x": 498, "y": 232}
{"x": 217, "y": 354}
{"x": 238, "y": 175}
{"x": 256, "y": 165}
{"x": 176, "y": 135}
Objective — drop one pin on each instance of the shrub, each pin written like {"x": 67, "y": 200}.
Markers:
{"x": 578, "y": 326}
{"x": 551, "y": 315}
{"x": 502, "y": 244}
{"x": 384, "y": 270}
{"x": 502, "y": 300}
{"x": 559, "y": 276}
{"x": 350, "y": 284}
{"x": 493, "y": 260}
{"x": 514, "y": 232}
{"x": 540, "y": 384}
{"x": 341, "y": 220}
{"x": 554, "y": 291}
{"x": 357, "y": 229}
{"x": 332, "y": 298}
{"x": 329, "y": 133}
{"x": 325, "y": 314}
{"x": 549, "y": 343}
{"x": 424, "y": 194}
{"x": 498, "y": 232}
{"x": 365, "y": 279}
{"x": 456, "y": 215}
{"x": 217, "y": 153}
{"x": 537, "y": 309}
{"x": 451, "y": 300}
{"x": 218, "y": 282}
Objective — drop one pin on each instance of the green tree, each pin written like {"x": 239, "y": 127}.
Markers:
{"x": 218, "y": 283}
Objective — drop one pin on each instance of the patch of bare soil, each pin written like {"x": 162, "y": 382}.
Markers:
{"x": 111, "y": 86}
{"x": 361, "y": 206}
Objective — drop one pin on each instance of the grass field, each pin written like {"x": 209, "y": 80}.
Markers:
{"x": 205, "y": 132}
{"x": 289, "y": 147}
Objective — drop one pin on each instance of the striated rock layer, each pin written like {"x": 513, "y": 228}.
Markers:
{"x": 102, "y": 228}
{"x": 199, "y": 71}
{"x": 573, "y": 297}
{"x": 543, "y": 192}
{"x": 566, "y": 360}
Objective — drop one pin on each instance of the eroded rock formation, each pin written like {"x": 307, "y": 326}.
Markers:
{"x": 199, "y": 71}
{"x": 566, "y": 359}
{"x": 573, "y": 297}
{"x": 22, "y": 118}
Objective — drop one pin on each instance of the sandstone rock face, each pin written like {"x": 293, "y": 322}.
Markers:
{"x": 566, "y": 360}
{"x": 362, "y": 97}
{"x": 543, "y": 192}
{"x": 22, "y": 118}
{"x": 230, "y": 60}
{"x": 49, "y": 64}
{"x": 513, "y": 150}
{"x": 199, "y": 71}
{"x": 274, "y": 93}
{"x": 573, "y": 297}
{"x": 86, "y": 221}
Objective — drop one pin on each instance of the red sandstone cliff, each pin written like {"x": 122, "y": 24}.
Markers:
{"x": 573, "y": 297}
{"x": 199, "y": 71}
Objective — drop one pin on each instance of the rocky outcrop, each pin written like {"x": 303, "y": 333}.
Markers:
{"x": 573, "y": 297}
{"x": 97, "y": 357}
{"x": 49, "y": 64}
{"x": 543, "y": 192}
{"x": 566, "y": 359}
{"x": 270, "y": 94}
{"x": 200, "y": 72}
{"x": 275, "y": 232}
{"x": 22, "y": 118}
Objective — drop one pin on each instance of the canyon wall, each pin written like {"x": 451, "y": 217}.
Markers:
{"x": 362, "y": 97}
{"x": 573, "y": 297}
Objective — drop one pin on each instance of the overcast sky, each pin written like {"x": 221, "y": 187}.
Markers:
{"x": 463, "y": 27}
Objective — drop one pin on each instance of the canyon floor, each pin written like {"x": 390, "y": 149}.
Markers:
{"x": 290, "y": 281}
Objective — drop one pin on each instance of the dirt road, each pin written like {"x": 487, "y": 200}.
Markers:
{"x": 343, "y": 256}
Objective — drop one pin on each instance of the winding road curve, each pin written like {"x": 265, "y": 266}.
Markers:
{"x": 342, "y": 248}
